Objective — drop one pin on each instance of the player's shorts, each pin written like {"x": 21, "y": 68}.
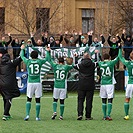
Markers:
{"x": 107, "y": 91}
{"x": 34, "y": 88}
{"x": 129, "y": 91}
{"x": 59, "y": 93}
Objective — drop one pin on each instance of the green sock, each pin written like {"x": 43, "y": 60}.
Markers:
{"x": 28, "y": 107}
{"x": 54, "y": 106}
{"x": 104, "y": 108}
{"x": 126, "y": 107}
{"x": 61, "y": 109}
{"x": 38, "y": 109}
{"x": 109, "y": 108}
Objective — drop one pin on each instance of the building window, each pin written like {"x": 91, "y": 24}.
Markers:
{"x": 42, "y": 19}
{"x": 87, "y": 20}
{"x": 2, "y": 20}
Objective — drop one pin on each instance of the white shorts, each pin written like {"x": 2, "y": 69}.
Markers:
{"x": 129, "y": 91}
{"x": 107, "y": 91}
{"x": 34, "y": 88}
{"x": 59, "y": 93}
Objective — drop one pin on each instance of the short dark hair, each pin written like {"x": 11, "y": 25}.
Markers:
{"x": 106, "y": 56}
{"x": 61, "y": 60}
{"x": 34, "y": 54}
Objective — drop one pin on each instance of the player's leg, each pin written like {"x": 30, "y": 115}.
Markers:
{"x": 54, "y": 108}
{"x": 30, "y": 92}
{"x": 61, "y": 109}
{"x": 55, "y": 100}
{"x": 103, "y": 95}
{"x": 80, "y": 108}
{"x": 104, "y": 108}
{"x": 89, "y": 100}
{"x": 28, "y": 107}
{"x": 62, "y": 97}
{"x": 110, "y": 94}
{"x": 110, "y": 101}
{"x": 38, "y": 94}
{"x": 128, "y": 95}
{"x": 38, "y": 106}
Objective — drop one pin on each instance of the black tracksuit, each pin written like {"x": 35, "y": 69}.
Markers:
{"x": 86, "y": 86}
{"x": 126, "y": 45}
{"x": 114, "y": 47}
{"x": 8, "y": 82}
{"x": 4, "y": 45}
{"x": 35, "y": 44}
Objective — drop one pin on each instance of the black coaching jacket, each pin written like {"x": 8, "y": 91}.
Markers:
{"x": 86, "y": 74}
{"x": 8, "y": 82}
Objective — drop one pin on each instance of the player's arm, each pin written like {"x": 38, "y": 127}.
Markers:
{"x": 122, "y": 59}
{"x": 48, "y": 57}
{"x": 22, "y": 54}
{"x": 115, "y": 60}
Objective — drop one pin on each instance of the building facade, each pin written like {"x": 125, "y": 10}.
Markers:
{"x": 25, "y": 16}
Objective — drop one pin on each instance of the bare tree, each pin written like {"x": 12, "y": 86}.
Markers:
{"x": 29, "y": 16}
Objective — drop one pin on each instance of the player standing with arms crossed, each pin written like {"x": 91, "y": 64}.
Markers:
{"x": 34, "y": 81}
{"x": 129, "y": 88}
{"x": 107, "y": 84}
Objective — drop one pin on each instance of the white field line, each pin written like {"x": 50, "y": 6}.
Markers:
{"x": 24, "y": 97}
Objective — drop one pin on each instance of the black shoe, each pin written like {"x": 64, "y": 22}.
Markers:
{"x": 79, "y": 117}
{"x": 91, "y": 118}
{"x": 54, "y": 115}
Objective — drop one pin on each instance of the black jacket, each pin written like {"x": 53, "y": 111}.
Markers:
{"x": 127, "y": 43}
{"x": 16, "y": 49}
{"x": 86, "y": 74}
{"x": 4, "y": 45}
{"x": 114, "y": 47}
{"x": 35, "y": 44}
{"x": 90, "y": 40}
{"x": 8, "y": 81}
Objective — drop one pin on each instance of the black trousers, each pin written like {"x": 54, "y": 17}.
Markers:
{"x": 7, "y": 104}
{"x": 82, "y": 96}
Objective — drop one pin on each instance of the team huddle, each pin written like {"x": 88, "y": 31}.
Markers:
{"x": 86, "y": 83}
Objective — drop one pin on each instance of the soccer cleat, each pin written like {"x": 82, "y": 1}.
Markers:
{"x": 108, "y": 118}
{"x": 91, "y": 118}
{"x": 5, "y": 117}
{"x": 38, "y": 119}
{"x": 126, "y": 117}
{"x": 60, "y": 118}
{"x": 26, "y": 118}
{"x": 79, "y": 117}
{"x": 104, "y": 118}
{"x": 54, "y": 115}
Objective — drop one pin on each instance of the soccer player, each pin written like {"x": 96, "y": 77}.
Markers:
{"x": 129, "y": 88}
{"x": 107, "y": 84}
{"x": 34, "y": 81}
{"x": 60, "y": 85}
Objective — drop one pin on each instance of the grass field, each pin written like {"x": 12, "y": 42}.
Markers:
{"x": 69, "y": 124}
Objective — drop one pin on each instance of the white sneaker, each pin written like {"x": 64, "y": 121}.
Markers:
{"x": 38, "y": 119}
{"x": 26, "y": 118}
